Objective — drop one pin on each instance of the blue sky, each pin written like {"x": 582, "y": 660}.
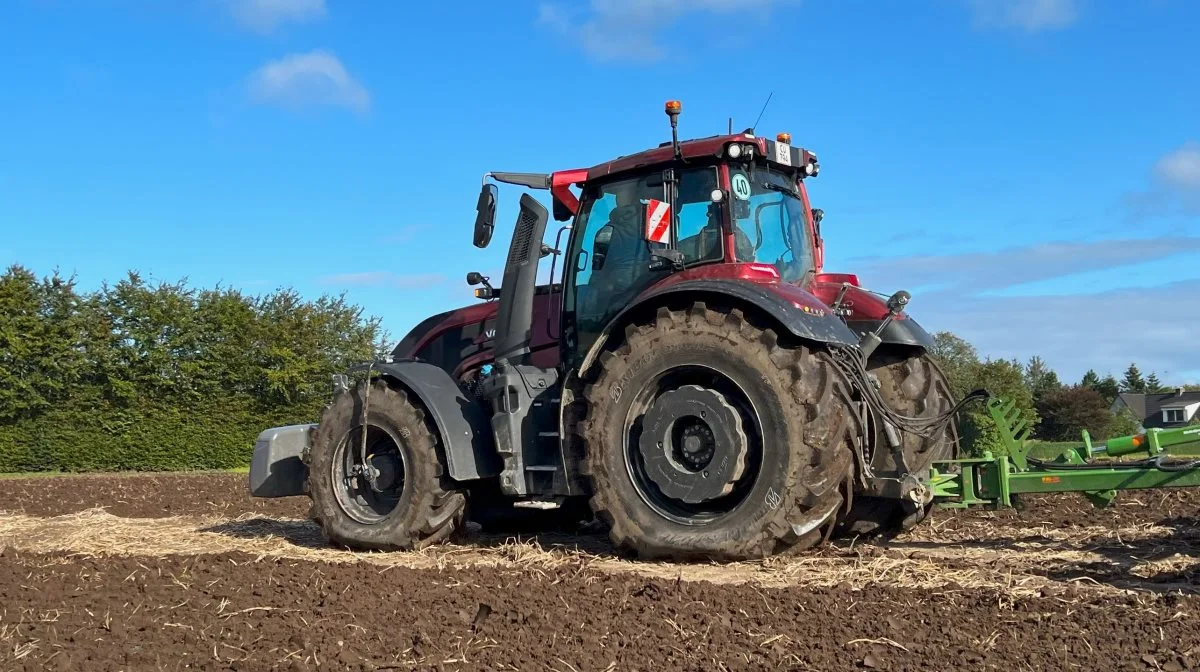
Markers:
{"x": 1030, "y": 169}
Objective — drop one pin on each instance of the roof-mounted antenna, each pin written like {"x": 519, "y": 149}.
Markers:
{"x": 731, "y": 126}
{"x": 760, "y": 113}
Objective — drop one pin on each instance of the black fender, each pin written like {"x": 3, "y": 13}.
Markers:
{"x": 899, "y": 332}
{"x": 462, "y": 423}
{"x": 822, "y": 327}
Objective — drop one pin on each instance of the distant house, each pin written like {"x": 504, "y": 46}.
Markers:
{"x": 1169, "y": 409}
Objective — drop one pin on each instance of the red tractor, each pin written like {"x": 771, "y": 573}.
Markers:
{"x": 690, "y": 376}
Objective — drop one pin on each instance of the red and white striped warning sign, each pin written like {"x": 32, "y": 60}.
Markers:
{"x": 658, "y": 221}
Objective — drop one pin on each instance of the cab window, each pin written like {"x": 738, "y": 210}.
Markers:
{"x": 700, "y": 234}
{"x": 609, "y": 261}
{"x": 770, "y": 221}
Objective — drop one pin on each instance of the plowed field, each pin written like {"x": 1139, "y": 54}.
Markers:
{"x": 188, "y": 572}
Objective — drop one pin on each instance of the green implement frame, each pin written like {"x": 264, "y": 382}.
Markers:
{"x": 993, "y": 480}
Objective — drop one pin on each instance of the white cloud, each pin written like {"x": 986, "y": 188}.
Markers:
{"x": 265, "y": 15}
{"x": 610, "y": 30}
{"x": 1181, "y": 168}
{"x": 300, "y": 80}
{"x": 984, "y": 271}
{"x": 1175, "y": 187}
{"x": 1028, "y": 15}
{"x": 1104, "y": 331}
{"x": 385, "y": 279}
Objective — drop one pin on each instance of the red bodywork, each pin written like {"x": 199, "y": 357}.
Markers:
{"x": 471, "y": 351}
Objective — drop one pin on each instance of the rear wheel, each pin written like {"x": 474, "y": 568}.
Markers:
{"x": 912, "y": 386}
{"x": 706, "y": 437}
{"x": 393, "y": 494}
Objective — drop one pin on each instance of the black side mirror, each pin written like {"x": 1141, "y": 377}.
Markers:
{"x": 474, "y": 278}
{"x": 818, "y": 215}
{"x": 485, "y": 215}
{"x": 600, "y": 246}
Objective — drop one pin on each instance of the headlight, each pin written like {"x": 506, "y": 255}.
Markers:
{"x": 734, "y": 151}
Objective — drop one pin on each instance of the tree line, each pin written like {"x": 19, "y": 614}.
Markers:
{"x": 1057, "y": 411}
{"x": 142, "y": 375}
{"x": 151, "y": 375}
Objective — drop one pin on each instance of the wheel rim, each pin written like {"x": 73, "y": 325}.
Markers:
{"x": 693, "y": 445}
{"x": 359, "y": 498}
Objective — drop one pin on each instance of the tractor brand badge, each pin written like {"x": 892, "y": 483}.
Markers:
{"x": 658, "y": 222}
{"x": 741, "y": 187}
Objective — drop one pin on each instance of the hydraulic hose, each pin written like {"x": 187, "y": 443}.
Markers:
{"x": 853, "y": 365}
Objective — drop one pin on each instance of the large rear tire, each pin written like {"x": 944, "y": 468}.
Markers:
{"x": 772, "y": 418}
{"x": 411, "y": 504}
{"x": 912, "y": 386}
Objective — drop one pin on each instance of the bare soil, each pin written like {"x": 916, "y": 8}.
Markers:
{"x": 188, "y": 572}
{"x": 144, "y": 496}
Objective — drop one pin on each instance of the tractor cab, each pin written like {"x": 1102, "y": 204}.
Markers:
{"x": 728, "y": 206}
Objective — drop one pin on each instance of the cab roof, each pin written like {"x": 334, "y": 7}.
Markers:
{"x": 701, "y": 148}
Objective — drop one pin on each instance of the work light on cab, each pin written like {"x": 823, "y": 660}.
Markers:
{"x": 743, "y": 151}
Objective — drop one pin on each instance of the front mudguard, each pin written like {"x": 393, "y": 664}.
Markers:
{"x": 279, "y": 466}
{"x": 463, "y": 424}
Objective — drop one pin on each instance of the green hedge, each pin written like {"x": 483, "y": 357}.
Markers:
{"x": 163, "y": 438}
{"x": 144, "y": 377}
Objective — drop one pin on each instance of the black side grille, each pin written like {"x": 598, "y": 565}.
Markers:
{"x": 519, "y": 252}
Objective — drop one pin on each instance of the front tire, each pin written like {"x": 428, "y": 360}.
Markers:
{"x": 773, "y": 420}
{"x": 411, "y": 504}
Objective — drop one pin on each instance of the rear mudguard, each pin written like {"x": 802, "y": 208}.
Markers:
{"x": 797, "y": 311}
{"x": 899, "y": 332}
{"x": 462, "y": 423}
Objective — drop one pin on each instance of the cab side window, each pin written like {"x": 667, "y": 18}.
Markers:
{"x": 699, "y": 234}
{"x": 610, "y": 255}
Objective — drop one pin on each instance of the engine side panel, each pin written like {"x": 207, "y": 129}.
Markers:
{"x": 459, "y": 341}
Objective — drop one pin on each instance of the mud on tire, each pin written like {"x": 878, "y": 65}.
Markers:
{"x": 793, "y": 483}
{"x": 426, "y": 507}
{"x": 913, "y": 385}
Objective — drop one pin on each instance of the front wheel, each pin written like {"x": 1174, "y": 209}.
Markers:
{"x": 706, "y": 437}
{"x": 390, "y": 495}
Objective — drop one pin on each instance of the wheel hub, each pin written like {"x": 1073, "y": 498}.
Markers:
{"x": 387, "y": 471}
{"x": 693, "y": 445}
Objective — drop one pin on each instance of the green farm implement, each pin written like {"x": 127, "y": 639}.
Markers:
{"x": 1098, "y": 470}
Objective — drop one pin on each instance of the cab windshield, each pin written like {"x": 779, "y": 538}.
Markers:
{"x": 770, "y": 220}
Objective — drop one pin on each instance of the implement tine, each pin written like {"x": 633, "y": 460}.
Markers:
{"x": 1020, "y": 427}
